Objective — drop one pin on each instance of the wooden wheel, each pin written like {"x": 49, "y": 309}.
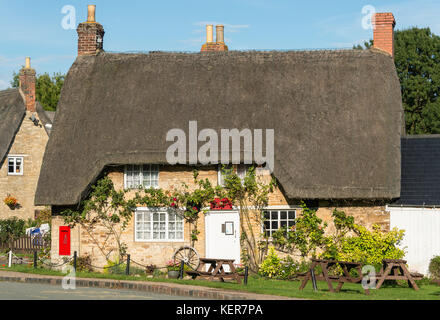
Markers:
{"x": 188, "y": 255}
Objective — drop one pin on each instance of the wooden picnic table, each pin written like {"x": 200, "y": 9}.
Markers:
{"x": 395, "y": 269}
{"x": 340, "y": 279}
{"x": 216, "y": 270}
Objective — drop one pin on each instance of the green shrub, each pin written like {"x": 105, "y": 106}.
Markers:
{"x": 434, "y": 268}
{"x": 367, "y": 247}
{"x": 271, "y": 266}
{"x": 83, "y": 263}
{"x": 11, "y": 229}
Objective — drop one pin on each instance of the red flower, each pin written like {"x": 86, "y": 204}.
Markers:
{"x": 194, "y": 208}
{"x": 174, "y": 199}
{"x": 173, "y": 204}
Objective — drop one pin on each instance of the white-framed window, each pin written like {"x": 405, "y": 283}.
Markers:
{"x": 240, "y": 169}
{"x": 15, "y": 166}
{"x": 158, "y": 225}
{"x": 141, "y": 176}
{"x": 276, "y": 219}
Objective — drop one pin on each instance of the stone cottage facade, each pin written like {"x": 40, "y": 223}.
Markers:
{"x": 336, "y": 116}
{"x": 23, "y": 139}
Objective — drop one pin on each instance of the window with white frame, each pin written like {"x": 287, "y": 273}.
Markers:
{"x": 240, "y": 170}
{"x": 141, "y": 176}
{"x": 158, "y": 225}
{"x": 15, "y": 166}
{"x": 276, "y": 219}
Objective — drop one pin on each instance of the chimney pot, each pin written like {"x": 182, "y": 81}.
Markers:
{"x": 220, "y": 33}
{"x": 209, "y": 33}
{"x": 91, "y": 13}
{"x": 28, "y": 63}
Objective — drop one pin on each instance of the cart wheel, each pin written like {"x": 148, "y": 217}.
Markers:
{"x": 188, "y": 255}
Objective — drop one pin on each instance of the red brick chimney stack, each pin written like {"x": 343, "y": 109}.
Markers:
{"x": 27, "y": 77}
{"x": 219, "y": 45}
{"x": 90, "y": 34}
{"x": 384, "y": 24}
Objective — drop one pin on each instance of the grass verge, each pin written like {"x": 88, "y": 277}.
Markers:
{"x": 272, "y": 287}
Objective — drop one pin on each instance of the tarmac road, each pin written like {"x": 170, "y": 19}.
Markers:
{"x": 27, "y": 291}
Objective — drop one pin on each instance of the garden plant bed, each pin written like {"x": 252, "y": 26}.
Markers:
{"x": 272, "y": 287}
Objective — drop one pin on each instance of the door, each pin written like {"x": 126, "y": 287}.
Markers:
{"x": 222, "y": 234}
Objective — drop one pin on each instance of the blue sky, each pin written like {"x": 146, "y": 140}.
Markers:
{"x": 34, "y": 28}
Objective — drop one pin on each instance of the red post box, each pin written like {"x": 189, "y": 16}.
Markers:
{"x": 64, "y": 237}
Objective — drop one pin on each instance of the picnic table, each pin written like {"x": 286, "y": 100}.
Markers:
{"x": 395, "y": 269}
{"x": 340, "y": 279}
{"x": 216, "y": 270}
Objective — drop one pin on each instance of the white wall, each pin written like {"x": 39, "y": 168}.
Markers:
{"x": 422, "y": 234}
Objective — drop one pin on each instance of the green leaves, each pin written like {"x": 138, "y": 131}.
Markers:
{"x": 47, "y": 89}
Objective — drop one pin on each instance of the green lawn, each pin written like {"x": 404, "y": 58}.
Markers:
{"x": 275, "y": 287}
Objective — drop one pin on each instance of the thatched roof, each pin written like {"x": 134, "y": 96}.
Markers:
{"x": 336, "y": 114}
{"x": 12, "y": 112}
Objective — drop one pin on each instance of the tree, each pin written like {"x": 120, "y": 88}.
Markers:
{"x": 47, "y": 89}
{"x": 417, "y": 59}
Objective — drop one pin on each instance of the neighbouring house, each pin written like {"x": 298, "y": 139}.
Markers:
{"x": 417, "y": 211}
{"x": 337, "y": 119}
{"x": 24, "y": 132}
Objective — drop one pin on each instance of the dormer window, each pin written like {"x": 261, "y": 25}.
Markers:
{"x": 15, "y": 166}
{"x": 141, "y": 176}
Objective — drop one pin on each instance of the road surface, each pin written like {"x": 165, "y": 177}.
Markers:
{"x": 30, "y": 291}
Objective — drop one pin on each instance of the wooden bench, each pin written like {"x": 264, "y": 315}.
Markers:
{"x": 324, "y": 276}
{"x": 216, "y": 270}
{"x": 395, "y": 269}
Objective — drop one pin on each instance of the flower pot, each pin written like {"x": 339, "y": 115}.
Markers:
{"x": 173, "y": 274}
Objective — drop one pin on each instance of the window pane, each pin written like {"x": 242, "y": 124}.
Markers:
{"x": 274, "y": 215}
{"x": 274, "y": 225}
{"x": 155, "y": 216}
{"x": 291, "y": 214}
{"x": 267, "y": 225}
{"x": 266, "y": 215}
{"x": 171, "y": 235}
{"x": 179, "y": 235}
{"x": 155, "y": 235}
{"x": 283, "y": 215}
{"x": 283, "y": 224}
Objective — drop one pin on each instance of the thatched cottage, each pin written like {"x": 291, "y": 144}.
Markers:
{"x": 336, "y": 116}
{"x": 24, "y": 131}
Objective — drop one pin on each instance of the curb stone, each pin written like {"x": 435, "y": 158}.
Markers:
{"x": 155, "y": 287}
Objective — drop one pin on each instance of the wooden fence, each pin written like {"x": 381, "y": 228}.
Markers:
{"x": 26, "y": 244}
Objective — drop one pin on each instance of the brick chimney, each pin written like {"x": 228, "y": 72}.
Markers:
{"x": 27, "y": 77}
{"x": 219, "y": 45}
{"x": 90, "y": 34}
{"x": 384, "y": 24}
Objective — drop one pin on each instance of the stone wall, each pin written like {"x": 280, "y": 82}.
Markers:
{"x": 30, "y": 142}
{"x": 158, "y": 253}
